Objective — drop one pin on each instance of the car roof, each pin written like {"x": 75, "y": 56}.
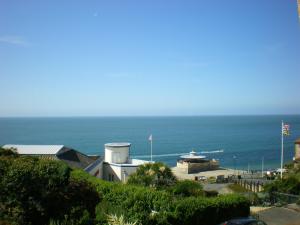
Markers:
{"x": 242, "y": 220}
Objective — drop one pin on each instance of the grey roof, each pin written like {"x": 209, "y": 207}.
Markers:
{"x": 74, "y": 158}
{"x": 70, "y": 156}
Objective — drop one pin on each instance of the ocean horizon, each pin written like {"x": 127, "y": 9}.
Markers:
{"x": 248, "y": 138}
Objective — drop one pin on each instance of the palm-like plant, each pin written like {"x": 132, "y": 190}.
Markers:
{"x": 153, "y": 175}
{"x": 118, "y": 220}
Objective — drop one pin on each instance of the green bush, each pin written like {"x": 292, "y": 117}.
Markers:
{"x": 204, "y": 211}
{"x": 289, "y": 185}
{"x": 36, "y": 191}
{"x": 211, "y": 193}
{"x": 33, "y": 191}
{"x": 153, "y": 175}
{"x": 8, "y": 152}
{"x": 151, "y": 206}
{"x": 187, "y": 188}
{"x": 236, "y": 188}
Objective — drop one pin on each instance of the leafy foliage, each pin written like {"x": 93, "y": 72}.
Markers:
{"x": 153, "y": 175}
{"x": 187, "y": 188}
{"x": 34, "y": 190}
{"x": 237, "y": 188}
{"x": 289, "y": 184}
{"x": 209, "y": 210}
{"x": 37, "y": 191}
{"x": 151, "y": 206}
{"x": 8, "y": 152}
{"x": 118, "y": 220}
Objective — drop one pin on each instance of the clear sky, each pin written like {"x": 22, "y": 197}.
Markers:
{"x": 158, "y": 57}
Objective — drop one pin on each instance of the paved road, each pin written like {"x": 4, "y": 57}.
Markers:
{"x": 280, "y": 216}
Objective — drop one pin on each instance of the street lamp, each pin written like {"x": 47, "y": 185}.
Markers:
{"x": 234, "y": 158}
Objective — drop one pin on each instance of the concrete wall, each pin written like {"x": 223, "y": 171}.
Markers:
{"x": 188, "y": 167}
{"x": 111, "y": 173}
{"x": 116, "y": 154}
{"x": 118, "y": 173}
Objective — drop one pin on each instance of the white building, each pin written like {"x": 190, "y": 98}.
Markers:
{"x": 118, "y": 165}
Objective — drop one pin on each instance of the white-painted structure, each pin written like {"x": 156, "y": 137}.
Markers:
{"x": 116, "y": 152}
{"x": 117, "y": 164}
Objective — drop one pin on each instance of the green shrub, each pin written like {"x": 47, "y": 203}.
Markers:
{"x": 118, "y": 220}
{"x": 237, "y": 188}
{"x": 8, "y": 152}
{"x": 153, "y": 175}
{"x": 33, "y": 191}
{"x": 211, "y": 193}
{"x": 289, "y": 185}
{"x": 209, "y": 210}
{"x": 150, "y": 206}
{"x": 187, "y": 188}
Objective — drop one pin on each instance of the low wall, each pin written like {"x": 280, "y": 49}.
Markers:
{"x": 189, "y": 167}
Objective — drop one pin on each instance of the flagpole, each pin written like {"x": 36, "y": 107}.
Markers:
{"x": 262, "y": 167}
{"x": 281, "y": 148}
{"x": 248, "y": 168}
{"x": 151, "y": 148}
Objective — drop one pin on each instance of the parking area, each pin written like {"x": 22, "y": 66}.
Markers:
{"x": 280, "y": 216}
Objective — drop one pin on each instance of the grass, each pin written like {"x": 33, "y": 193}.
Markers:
{"x": 237, "y": 188}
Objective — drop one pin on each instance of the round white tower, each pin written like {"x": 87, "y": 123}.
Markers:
{"x": 117, "y": 152}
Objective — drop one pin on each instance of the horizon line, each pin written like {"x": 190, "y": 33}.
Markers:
{"x": 116, "y": 116}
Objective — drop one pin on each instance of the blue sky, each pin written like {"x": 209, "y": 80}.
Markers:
{"x": 98, "y": 58}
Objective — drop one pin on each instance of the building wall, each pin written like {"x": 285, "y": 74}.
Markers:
{"x": 118, "y": 173}
{"x": 297, "y": 151}
{"x": 188, "y": 167}
{"x": 116, "y": 154}
{"x": 111, "y": 173}
{"x": 127, "y": 171}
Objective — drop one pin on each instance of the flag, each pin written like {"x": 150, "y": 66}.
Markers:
{"x": 150, "y": 137}
{"x": 285, "y": 129}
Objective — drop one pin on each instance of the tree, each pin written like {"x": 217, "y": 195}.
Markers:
{"x": 8, "y": 152}
{"x": 33, "y": 191}
{"x": 154, "y": 175}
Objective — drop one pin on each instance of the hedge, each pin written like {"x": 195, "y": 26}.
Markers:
{"x": 149, "y": 206}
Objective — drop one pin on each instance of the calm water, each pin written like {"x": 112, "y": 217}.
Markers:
{"x": 249, "y": 138}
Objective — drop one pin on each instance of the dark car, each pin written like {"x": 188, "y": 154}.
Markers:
{"x": 244, "y": 221}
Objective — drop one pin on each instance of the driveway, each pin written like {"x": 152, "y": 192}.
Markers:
{"x": 280, "y": 216}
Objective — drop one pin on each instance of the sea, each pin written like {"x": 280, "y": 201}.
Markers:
{"x": 236, "y": 141}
